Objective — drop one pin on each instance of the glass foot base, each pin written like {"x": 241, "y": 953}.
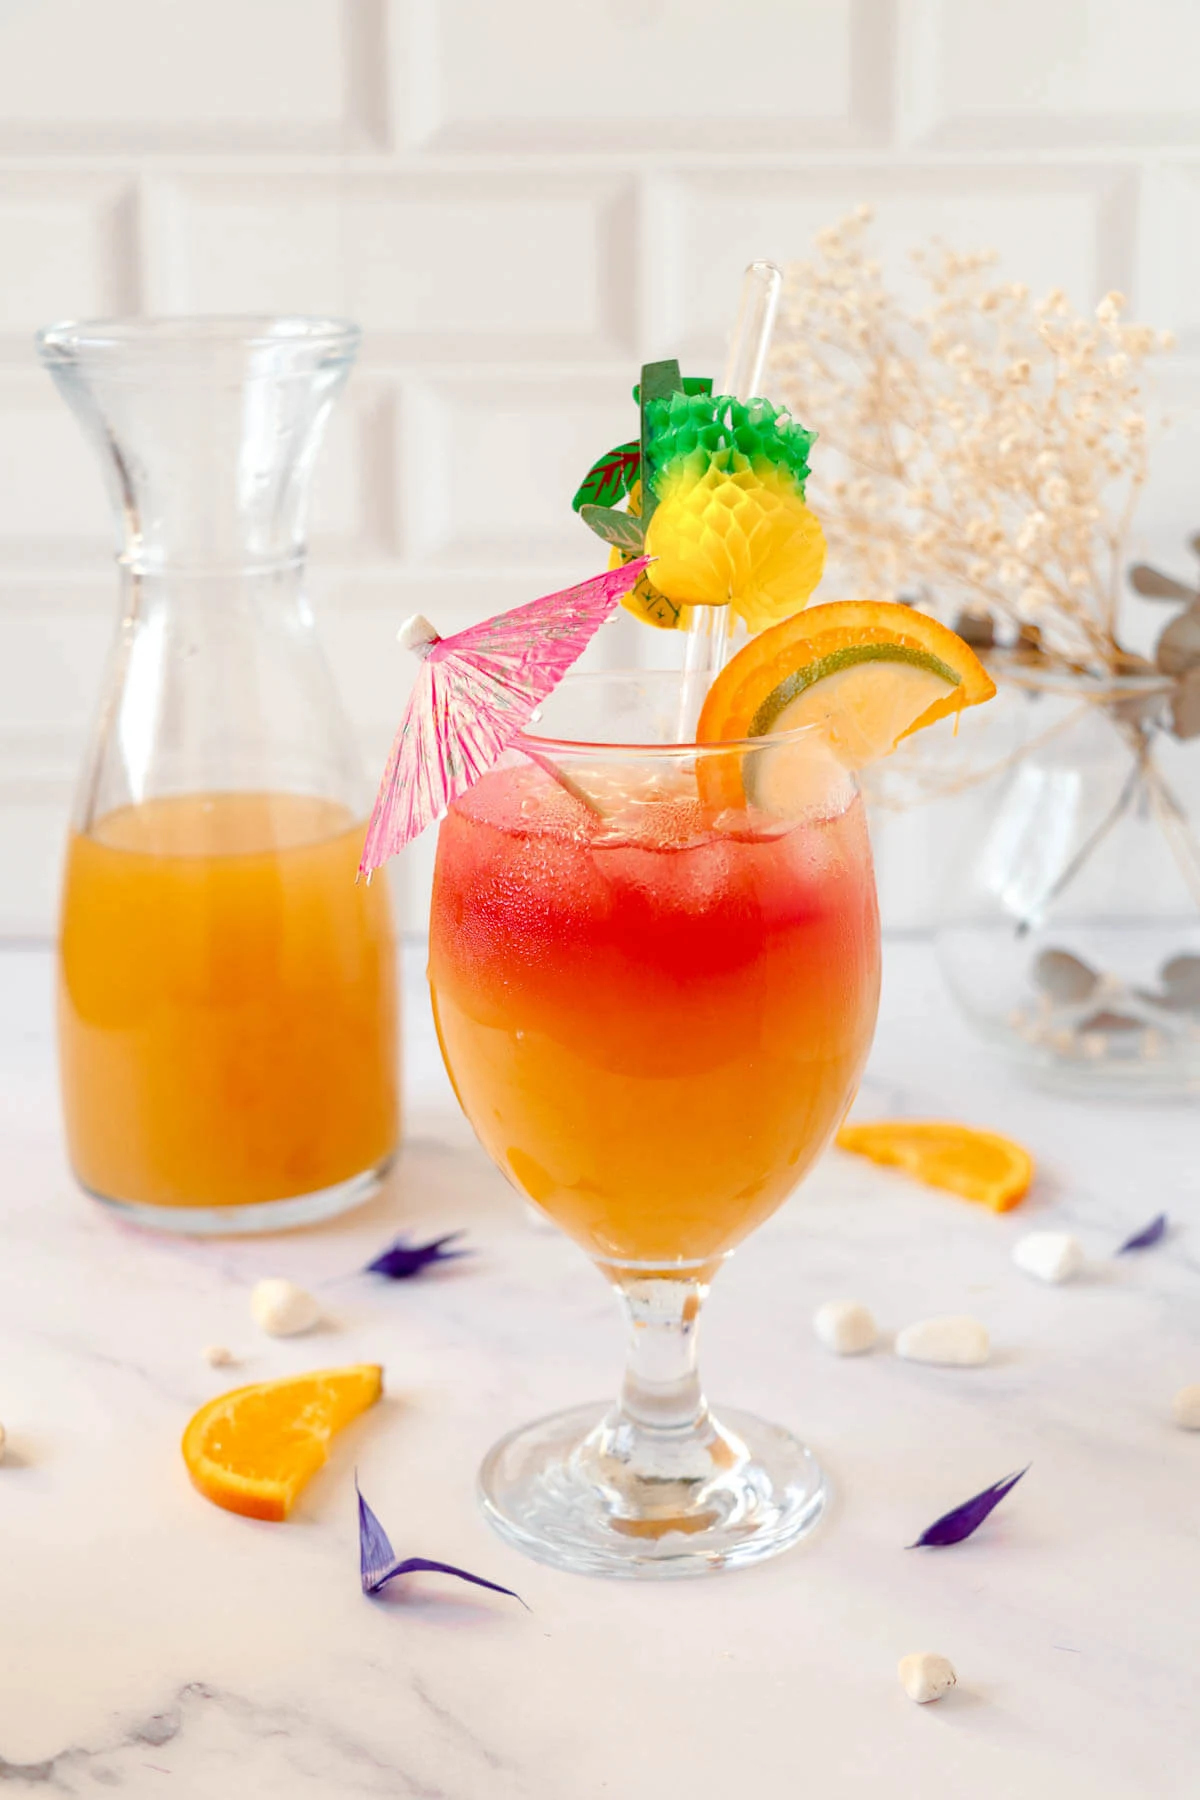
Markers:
{"x": 563, "y": 1491}
{"x": 239, "y": 1221}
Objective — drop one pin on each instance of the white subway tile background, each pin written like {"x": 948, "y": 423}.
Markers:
{"x": 519, "y": 203}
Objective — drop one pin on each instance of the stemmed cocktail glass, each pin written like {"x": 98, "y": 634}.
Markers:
{"x": 655, "y": 974}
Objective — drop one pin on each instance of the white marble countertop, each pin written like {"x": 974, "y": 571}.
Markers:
{"x": 158, "y": 1646}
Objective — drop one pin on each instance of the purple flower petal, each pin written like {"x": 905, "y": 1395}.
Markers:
{"x": 379, "y": 1564}
{"x": 958, "y": 1524}
{"x": 1148, "y": 1235}
{"x": 402, "y": 1260}
{"x": 375, "y": 1553}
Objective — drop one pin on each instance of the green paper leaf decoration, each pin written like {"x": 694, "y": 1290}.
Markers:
{"x": 704, "y": 427}
{"x": 624, "y": 530}
{"x": 610, "y": 478}
{"x": 691, "y": 384}
{"x": 659, "y": 381}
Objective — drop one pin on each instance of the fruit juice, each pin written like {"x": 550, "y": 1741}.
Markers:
{"x": 227, "y": 1004}
{"x": 654, "y": 1025}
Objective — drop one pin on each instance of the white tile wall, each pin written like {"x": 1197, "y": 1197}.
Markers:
{"x": 52, "y": 509}
{"x": 464, "y": 264}
{"x": 638, "y": 74}
{"x": 63, "y": 232}
{"x": 1067, "y": 225}
{"x": 1048, "y": 73}
{"x": 494, "y": 463}
{"x": 138, "y": 75}
{"x": 1169, "y": 245}
{"x": 520, "y": 202}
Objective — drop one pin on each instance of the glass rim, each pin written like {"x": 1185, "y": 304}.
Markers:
{"x": 594, "y": 677}
{"x": 194, "y": 331}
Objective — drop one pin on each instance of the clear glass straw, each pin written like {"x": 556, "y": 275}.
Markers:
{"x": 707, "y": 637}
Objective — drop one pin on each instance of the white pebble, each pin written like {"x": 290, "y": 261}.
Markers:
{"x": 217, "y": 1355}
{"x": 1050, "y": 1255}
{"x": 925, "y": 1676}
{"x": 953, "y": 1339}
{"x": 845, "y": 1326}
{"x": 1185, "y": 1408}
{"x": 283, "y": 1309}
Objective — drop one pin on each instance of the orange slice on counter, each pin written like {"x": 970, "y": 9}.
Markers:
{"x": 865, "y": 673}
{"x": 978, "y": 1165}
{"x": 252, "y": 1450}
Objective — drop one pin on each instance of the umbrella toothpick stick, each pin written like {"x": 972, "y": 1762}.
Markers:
{"x": 707, "y": 637}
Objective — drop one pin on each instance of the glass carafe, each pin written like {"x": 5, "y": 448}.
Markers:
{"x": 227, "y": 996}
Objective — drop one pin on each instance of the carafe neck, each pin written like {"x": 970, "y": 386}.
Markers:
{"x": 262, "y": 596}
{"x": 207, "y": 432}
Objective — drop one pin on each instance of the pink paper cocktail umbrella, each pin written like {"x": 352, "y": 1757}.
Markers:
{"x": 475, "y": 693}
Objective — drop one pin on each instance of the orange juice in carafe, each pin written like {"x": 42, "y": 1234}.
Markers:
{"x": 227, "y": 1002}
{"x": 227, "y": 993}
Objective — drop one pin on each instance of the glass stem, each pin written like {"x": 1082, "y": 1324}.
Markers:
{"x": 661, "y": 1430}
{"x": 661, "y": 1390}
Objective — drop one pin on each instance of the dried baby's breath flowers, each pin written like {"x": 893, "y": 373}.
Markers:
{"x": 989, "y": 448}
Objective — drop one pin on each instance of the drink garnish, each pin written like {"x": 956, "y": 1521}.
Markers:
{"x": 378, "y": 1563}
{"x": 731, "y": 525}
{"x": 475, "y": 693}
{"x": 865, "y": 673}
{"x": 706, "y": 508}
{"x": 714, "y": 491}
{"x": 976, "y": 1165}
{"x": 402, "y": 1260}
{"x": 961, "y": 1521}
{"x": 253, "y": 1449}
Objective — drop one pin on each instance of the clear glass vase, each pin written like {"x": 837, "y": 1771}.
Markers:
{"x": 1073, "y": 937}
{"x": 227, "y": 1018}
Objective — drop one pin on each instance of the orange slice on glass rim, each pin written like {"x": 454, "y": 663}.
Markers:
{"x": 865, "y": 673}
{"x": 252, "y": 1450}
{"x": 978, "y": 1165}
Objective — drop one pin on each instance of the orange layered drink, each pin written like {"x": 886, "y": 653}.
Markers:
{"x": 654, "y": 1011}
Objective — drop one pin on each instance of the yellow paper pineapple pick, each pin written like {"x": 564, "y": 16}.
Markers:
{"x": 716, "y": 495}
